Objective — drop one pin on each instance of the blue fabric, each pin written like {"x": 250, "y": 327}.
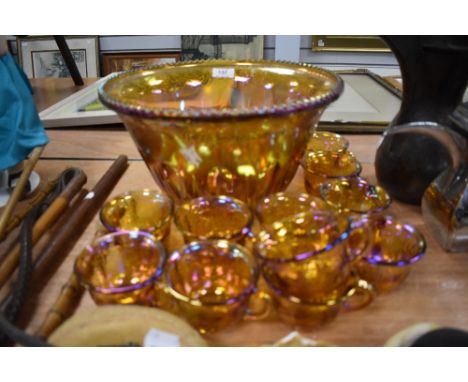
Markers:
{"x": 20, "y": 127}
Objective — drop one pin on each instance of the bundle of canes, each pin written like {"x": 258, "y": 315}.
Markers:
{"x": 65, "y": 238}
{"x": 41, "y": 216}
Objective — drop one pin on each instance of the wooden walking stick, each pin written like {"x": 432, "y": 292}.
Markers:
{"x": 68, "y": 300}
{"x": 19, "y": 188}
{"x": 38, "y": 197}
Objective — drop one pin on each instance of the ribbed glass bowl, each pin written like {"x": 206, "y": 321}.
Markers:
{"x": 222, "y": 127}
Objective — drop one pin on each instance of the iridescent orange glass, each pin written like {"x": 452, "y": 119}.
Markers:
{"x": 213, "y": 218}
{"x": 325, "y": 141}
{"x": 221, "y": 127}
{"x": 395, "y": 247}
{"x": 299, "y": 313}
{"x": 309, "y": 255}
{"x": 355, "y": 196}
{"x": 306, "y": 314}
{"x": 323, "y": 166}
{"x": 121, "y": 267}
{"x": 212, "y": 282}
{"x": 276, "y": 207}
{"x": 144, "y": 210}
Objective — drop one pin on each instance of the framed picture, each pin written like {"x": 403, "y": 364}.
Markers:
{"x": 367, "y": 105}
{"x": 397, "y": 83}
{"x": 231, "y": 47}
{"x": 40, "y": 57}
{"x": 116, "y": 62}
{"x": 80, "y": 109}
{"x": 344, "y": 43}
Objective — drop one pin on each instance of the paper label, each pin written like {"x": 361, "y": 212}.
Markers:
{"x": 223, "y": 72}
{"x": 158, "y": 338}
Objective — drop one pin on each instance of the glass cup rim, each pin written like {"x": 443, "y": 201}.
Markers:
{"x": 304, "y": 103}
{"x": 128, "y": 288}
{"x": 356, "y": 173}
{"x": 330, "y": 178}
{"x": 245, "y": 208}
{"x": 154, "y": 192}
{"x": 304, "y": 255}
{"x": 336, "y": 135}
{"x": 401, "y": 263}
{"x": 287, "y": 194}
{"x": 327, "y": 184}
{"x": 252, "y": 288}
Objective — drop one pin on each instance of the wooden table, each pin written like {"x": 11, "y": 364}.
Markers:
{"x": 435, "y": 291}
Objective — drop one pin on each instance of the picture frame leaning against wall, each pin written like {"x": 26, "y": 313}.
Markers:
{"x": 40, "y": 57}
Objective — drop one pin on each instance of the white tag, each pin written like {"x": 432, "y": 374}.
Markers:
{"x": 158, "y": 338}
{"x": 223, "y": 73}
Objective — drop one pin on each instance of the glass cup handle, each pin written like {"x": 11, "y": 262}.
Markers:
{"x": 359, "y": 239}
{"x": 262, "y": 309}
{"x": 358, "y": 296}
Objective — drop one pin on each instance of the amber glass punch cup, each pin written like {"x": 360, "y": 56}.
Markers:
{"x": 213, "y": 283}
{"x": 213, "y": 218}
{"x": 222, "y": 127}
{"x": 309, "y": 255}
{"x": 279, "y": 206}
{"x": 320, "y": 167}
{"x": 143, "y": 210}
{"x": 325, "y": 141}
{"x": 309, "y": 315}
{"x": 121, "y": 268}
{"x": 355, "y": 196}
{"x": 395, "y": 247}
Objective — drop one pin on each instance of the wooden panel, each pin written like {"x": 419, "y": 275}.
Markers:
{"x": 95, "y": 144}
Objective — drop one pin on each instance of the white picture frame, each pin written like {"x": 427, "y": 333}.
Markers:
{"x": 67, "y": 112}
{"x": 40, "y": 56}
{"x": 367, "y": 105}
{"x": 397, "y": 83}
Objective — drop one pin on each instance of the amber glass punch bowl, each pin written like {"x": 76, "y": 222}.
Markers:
{"x": 221, "y": 127}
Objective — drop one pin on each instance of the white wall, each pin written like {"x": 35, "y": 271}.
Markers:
{"x": 110, "y": 44}
{"x": 287, "y": 48}
{"x": 278, "y": 47}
